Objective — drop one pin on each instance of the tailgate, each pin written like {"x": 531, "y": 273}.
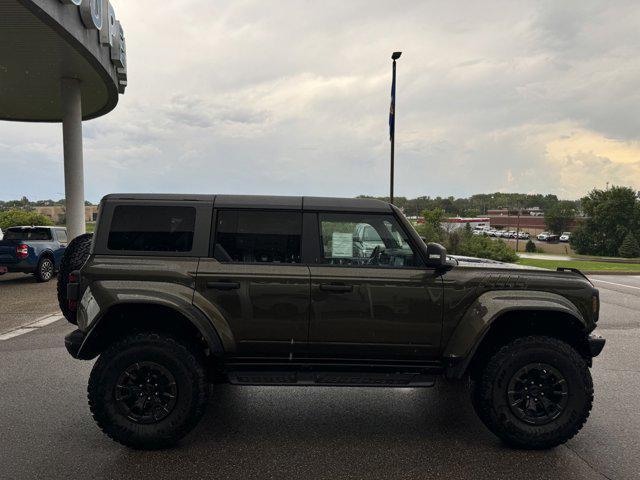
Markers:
{"x": 7, "y": 252}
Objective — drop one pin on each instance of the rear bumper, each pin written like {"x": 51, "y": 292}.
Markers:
{"x": 23, "y": 267}
{"x": 596, "y": 344}
{"x": 73, "y": 341}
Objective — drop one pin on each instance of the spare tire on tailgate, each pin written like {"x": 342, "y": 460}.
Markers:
{"x": 73, "y": 259}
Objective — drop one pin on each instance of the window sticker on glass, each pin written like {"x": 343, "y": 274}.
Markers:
{"x": 342, "y": 245}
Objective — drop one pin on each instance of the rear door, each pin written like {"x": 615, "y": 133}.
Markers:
{"x": 376, "y": 302}
{"x": 255, "y": 279}
{"x": 58, "y": 251}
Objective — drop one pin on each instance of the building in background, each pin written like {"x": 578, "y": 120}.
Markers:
{"x": 57, "y": 213}
{"x": 456, "y": 223}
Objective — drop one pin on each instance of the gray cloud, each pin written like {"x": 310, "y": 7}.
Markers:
{"x": 292, "y": 98}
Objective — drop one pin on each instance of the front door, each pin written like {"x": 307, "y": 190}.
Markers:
{"x": 257, "y": 282}
{"x": 371, "y": 295}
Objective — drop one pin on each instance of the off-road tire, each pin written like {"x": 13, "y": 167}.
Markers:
{"x": 190, "y": 378}
{"x": 490, "y": 393}
{"x": 74, "y": 257}
{"x": 45, "y": 270}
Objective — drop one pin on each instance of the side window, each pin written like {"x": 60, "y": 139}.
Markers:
{"x": 62, "y": 236}
{"x": 246, "y": 236}
{"x": 365, "y": 240}
{"x": 152, "y": 228}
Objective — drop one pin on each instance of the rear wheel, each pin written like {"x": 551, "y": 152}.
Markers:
{"x": 535, "y": 392}
{"x": 45, "y": 270}
{"x": 147, "y": 391}
{"x": 74, "y": 257}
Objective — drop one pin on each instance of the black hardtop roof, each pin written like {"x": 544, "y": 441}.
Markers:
{"x": 263, "y": 201}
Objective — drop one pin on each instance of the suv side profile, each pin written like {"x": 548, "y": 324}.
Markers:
{"x": 177, "y": 292}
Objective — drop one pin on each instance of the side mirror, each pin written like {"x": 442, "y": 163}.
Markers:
{"x": 436, "y": 255}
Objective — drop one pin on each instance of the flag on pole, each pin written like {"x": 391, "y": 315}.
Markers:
{"x": 392, "y": 108}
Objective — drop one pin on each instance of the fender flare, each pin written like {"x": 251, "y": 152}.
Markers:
{"x": 176, "y": 303}
{"x": 485, "y": 310}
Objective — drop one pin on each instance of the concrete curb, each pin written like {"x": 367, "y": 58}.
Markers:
{"x": 609, "y": 272}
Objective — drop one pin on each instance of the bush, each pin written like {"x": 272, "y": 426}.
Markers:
{"x": 530, "y": 246}
{"x": 481, "y": 247}
{"x": 463, "y": 242}
{"x": 629, "y": 247}
{"x": 13, "y": 218}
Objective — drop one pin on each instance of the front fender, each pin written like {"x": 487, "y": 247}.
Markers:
{"x": 477, "y": 320}
{"x": 100, "y": 297}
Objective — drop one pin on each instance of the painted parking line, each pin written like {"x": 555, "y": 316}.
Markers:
{"x": 30, "y": 327}
{"x": 46, "y": 321}
{"x": 617, "y": 284}
{"x": 16, "y": 332}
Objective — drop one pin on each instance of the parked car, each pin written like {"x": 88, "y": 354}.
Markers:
{"x": 1, "y": 234}
{"x": 177, "y": 291}
{"x": 35, "y": 250}
{"x": 565, "y": 237}
{"x": 552, "y": 237}
{"x": 523, "y": 235}
{"x": 543, "y": 237}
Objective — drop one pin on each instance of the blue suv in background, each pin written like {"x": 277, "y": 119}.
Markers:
{"x": 36, "y": 250}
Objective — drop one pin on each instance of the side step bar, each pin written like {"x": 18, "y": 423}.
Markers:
{"x": 334, "y": 379}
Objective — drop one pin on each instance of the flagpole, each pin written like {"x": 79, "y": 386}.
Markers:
{"x": 392, "y": 122}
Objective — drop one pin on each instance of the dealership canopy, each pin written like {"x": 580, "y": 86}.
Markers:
{"x": 61, "y": 61}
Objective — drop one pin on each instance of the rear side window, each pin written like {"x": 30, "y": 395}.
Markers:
{"x": 258, "y": 237}
{"x": 62, "y": 236}
{"x": 152, "y": 228}
{"x": 28, "y": 234}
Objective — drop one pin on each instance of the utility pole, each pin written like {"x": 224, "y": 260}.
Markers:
{"x": 392, "y": 121}
{"x": 518, "y": 229}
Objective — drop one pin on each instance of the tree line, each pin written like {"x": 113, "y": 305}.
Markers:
{"x": 478, "y": 204}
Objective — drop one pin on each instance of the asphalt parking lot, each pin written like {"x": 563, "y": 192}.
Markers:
{"x": 270, "y": 432}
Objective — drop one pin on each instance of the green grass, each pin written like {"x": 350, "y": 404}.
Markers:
{"x": 585, "y": 265}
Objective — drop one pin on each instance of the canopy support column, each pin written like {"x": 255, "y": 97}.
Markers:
{"x": 71, "y": 97}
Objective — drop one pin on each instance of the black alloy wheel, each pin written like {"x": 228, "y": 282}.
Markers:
{"x": 146, "y": 392}
{"x": 538, "y": 393}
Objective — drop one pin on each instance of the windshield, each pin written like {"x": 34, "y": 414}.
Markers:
{"x": 28, "y": 234}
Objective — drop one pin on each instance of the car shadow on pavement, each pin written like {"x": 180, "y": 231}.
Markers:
{"x": 342, "y": 432}
{"x": 17, "y": 279}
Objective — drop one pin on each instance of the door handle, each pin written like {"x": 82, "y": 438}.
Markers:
{"x": 336, "y": 288}
{"x": 223, "y": 285}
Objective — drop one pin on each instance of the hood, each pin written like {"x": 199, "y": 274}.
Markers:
{"x": 488, "y": 263}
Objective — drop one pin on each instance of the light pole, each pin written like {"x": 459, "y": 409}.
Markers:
{"x": 392, "y": 121}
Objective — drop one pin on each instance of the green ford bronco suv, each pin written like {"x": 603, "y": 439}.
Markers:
{"x": 176, "y": 292}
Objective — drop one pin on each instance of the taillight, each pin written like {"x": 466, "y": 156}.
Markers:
{"x": 73, "y": 305}
{"x": 22, "y": 251}
{"x": 73, "y": 277}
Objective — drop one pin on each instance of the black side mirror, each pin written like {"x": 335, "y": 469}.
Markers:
{"x": 436, "y": 255}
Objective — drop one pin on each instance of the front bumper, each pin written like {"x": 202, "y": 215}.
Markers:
{"x": 596, "y": 344}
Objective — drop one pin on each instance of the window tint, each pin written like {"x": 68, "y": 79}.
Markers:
{"x": 62, "y": 236}
{"x": 28, "y": 234}
{"x": 365, "y": 240}
{"x": 258, "y": 236}
{"x": 152, "y": 228}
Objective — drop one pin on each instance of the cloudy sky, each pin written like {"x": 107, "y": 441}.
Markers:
{"x": 292, "y": 97}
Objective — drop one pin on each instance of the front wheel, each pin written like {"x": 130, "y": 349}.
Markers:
{"x": 147, "y": 391}
{"x": 536, "y": 392}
